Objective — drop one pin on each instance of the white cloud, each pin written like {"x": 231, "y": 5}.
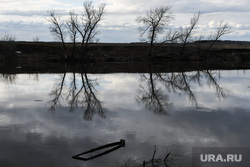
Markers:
{"x": 25, "y": 5}
{"x": 120, "y": 16}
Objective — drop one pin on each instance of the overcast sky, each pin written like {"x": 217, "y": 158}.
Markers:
{"x": 26, "y": 18}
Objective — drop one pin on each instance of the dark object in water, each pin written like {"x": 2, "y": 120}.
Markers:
{"x": 115, "y": 145}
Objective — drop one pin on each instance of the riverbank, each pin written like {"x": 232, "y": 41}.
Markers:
{"x": 31, "y": 52}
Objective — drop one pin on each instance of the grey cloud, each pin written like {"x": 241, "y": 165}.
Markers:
{"x": 115, "y": 35}
{"x": 26, "y": 31}
{"x": 30, "y": 13}
{"x": 23, "y": 13}
{"x": 185, "y": 6}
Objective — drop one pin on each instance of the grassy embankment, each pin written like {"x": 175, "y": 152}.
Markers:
{"x": 37, "y": 56}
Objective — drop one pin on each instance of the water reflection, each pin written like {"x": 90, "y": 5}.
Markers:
{"x": 78, "y": 93}
{"x": 154, "y": 90}
{"x": 155, "y": 94}
{"x": 167, "y": 160}
{"x": 153, "y": 97}
{"x": 51, "y": 138}
{"x": 8, "y": 79}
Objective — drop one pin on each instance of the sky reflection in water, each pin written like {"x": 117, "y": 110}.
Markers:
{"x": 173, "y": 115}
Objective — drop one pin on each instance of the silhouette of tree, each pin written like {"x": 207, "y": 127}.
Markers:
{"x": 89, "y": 20}
{"x": 85, "y": 24}
{"x": 186, "y": 33}
{"x": 223, "y": 29}
{"x": 9, "y": 46}
{"x": 154, "y": 23}
{"x": 71, "y": 26}
{"x": 57, "y": 29}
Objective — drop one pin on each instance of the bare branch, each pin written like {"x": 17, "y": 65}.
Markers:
{"x": 187, "y": 32}
{"x": 57, "y": 28}
{"x": 89, "y": 21}
{"x": 223, "y": 29}
{"x": 154, "y": 22}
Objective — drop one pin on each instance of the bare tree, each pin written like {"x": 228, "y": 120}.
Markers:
{"x": 9, "y": 46}
{"x": 89, "y": 21}
{"x": 154, "y": 23}
{"x": 71, "y": 26}
{"x": 223, "y": 29}
{"x": 186, "y": 33}
{"x": 57, "y": 28}
{"x": 36, "y": 39}
{"x": 85, "y": 24}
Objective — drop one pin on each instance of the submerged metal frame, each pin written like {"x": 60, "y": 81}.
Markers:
{"x": 118, "y": 145}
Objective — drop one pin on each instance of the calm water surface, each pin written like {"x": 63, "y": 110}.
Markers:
{"x": 45, "y": 119}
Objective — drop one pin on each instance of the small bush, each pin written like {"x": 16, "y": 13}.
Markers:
{"x": 8, "y": 47}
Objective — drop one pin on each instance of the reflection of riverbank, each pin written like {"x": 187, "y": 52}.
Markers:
{"x": 100, "y": 68}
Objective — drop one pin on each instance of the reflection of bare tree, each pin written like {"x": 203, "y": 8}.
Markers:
{"x": 56, "y": 93}
{"x": 35, "y": 76}
{"x": 153, "y": 96}
{"x": 177, "y": 82}
{"x": 93, "y": 104}
{"x": 8, "y": 79}
{"x": 212, "y": 80}
{"x": 166, "y": 160}
{"x": 156, "y": 98}
{"x": 81, "y": 91}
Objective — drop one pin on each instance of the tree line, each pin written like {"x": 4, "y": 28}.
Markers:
{"x": 153, "y": 28}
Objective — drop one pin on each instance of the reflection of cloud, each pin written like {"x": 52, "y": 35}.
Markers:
{"x": 64, "y": 134}
{"x": 24, "y": 91}
{"x": 55, "y": 137}
{"x": 4, "y": 120}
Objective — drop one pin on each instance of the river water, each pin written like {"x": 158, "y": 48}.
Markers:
{"x": 45, "y": 119}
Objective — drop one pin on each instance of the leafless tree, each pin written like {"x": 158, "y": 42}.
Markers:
{"x": 8, "y": 37}
{"x": 154, "y": 23}
{"x": 57, "y": 28}
{"x": 71, "y": 26}
{"x": 36, "y": 39}
{"x": 9, "y": 46}
{"x": 89, "y": 21}
{"x": 186, "y": 33}
{"x": 223, "y": 29}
